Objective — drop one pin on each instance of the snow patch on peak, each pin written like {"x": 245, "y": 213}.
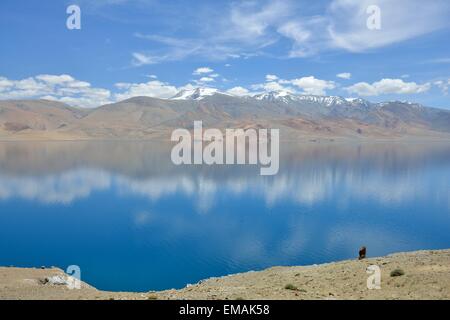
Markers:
{"x": 326, "y": 100}
{"x": 265, "y": 95}
{"x": 275, "y": 96}
{"x": 357, "y": 102}
{"x": 195, "y": 94}
{"x": 396, "y": 102}
{"x": 329, "y": 101}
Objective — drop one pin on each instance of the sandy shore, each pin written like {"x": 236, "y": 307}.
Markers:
{"x": 425, "y": 275}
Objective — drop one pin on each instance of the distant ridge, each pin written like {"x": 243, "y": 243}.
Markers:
{"x": 297, "y": 116}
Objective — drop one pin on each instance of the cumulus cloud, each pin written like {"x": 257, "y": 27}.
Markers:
{"x": 271, "y": 77}
{"x": 154, "y": 88}
{"x": 311, "y": 85}
{"x": 272, "y": 86}
{"x": 63, "y": 88}
{"x": 204, "y": 80}
{"x": 206, "y": 75}
{"x": 55, "y": 79}
{"x": 388, "y": 86}
{"x": 238, "y": 91}
{"x": 5, "y": 84}
{"x": 303, "y": 85}
{"x": 202, "y": 70}
{"x": 344, "y": 75}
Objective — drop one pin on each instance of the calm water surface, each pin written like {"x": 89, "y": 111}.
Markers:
{"x": 133, "y": 221}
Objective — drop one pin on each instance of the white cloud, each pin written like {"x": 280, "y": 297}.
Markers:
{"x": 304, "y": 85}
{"x": 245, "y": 29}
{"x": 241, "y": 30}
{"x": 295, "y": 31}
{"x": 271, "y": 77}
{"x": 63, "y": 88}
{"x": 66, "y": 89}
{"x": 387, "y": 86}
{"x": 154, "y": 88}
{"x": 311, "y": 85}
{"x": 202, "y": 70}
{"x": 443, "y": 85}
{"x": 205, "y": 79}
{"x": 55, "y": 79}
{"x": 5, "y": 84}
{"x": 206, "y": 74}
{"x": 174, "y": 49}
{"x": 272, "y": 86}
{"x": 300, "y": 34}
{"x": 238, "y": 91}
{"x": 141, "y": 59}
{"x": 400, "y": 20}
{"x": 344, "y": 75}
{"x": 251, "y": 20}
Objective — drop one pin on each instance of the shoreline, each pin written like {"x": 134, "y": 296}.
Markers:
{"x": 304, "y": 139}
{"x": 426, "y": 275}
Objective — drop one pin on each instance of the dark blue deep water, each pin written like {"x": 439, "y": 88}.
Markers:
{"x": 133, "y": 221}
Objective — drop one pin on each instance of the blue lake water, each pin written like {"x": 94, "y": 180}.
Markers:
{"x": 133, "y": 221}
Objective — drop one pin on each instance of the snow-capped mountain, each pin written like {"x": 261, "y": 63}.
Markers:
{"x": 408, "y": 103}
{"x": 328, "y": 101}
{"x": 325, "y": 100}
{"x": 195, "y": 94}
{"x": 288, "y": 98}
{"x": 274, "y": 96}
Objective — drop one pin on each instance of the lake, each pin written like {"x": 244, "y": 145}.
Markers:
{"x": 133, "y": 221}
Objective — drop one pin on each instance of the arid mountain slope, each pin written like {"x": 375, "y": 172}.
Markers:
{"x": 296, "y": 117}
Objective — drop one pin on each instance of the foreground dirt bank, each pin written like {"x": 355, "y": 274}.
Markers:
{"x": 412, "y": 275}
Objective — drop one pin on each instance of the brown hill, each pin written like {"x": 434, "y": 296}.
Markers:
{"x": 297, "y": 117}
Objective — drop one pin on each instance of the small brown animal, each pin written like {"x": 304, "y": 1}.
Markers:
{"x": 362, "y": 253}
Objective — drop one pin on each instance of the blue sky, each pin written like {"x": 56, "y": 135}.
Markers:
{"x": 155, "y": 48}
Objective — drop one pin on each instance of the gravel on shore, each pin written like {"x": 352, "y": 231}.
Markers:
{"x": 409, "y": 275}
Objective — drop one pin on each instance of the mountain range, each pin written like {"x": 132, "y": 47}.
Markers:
{"x": 297, "y": 116}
